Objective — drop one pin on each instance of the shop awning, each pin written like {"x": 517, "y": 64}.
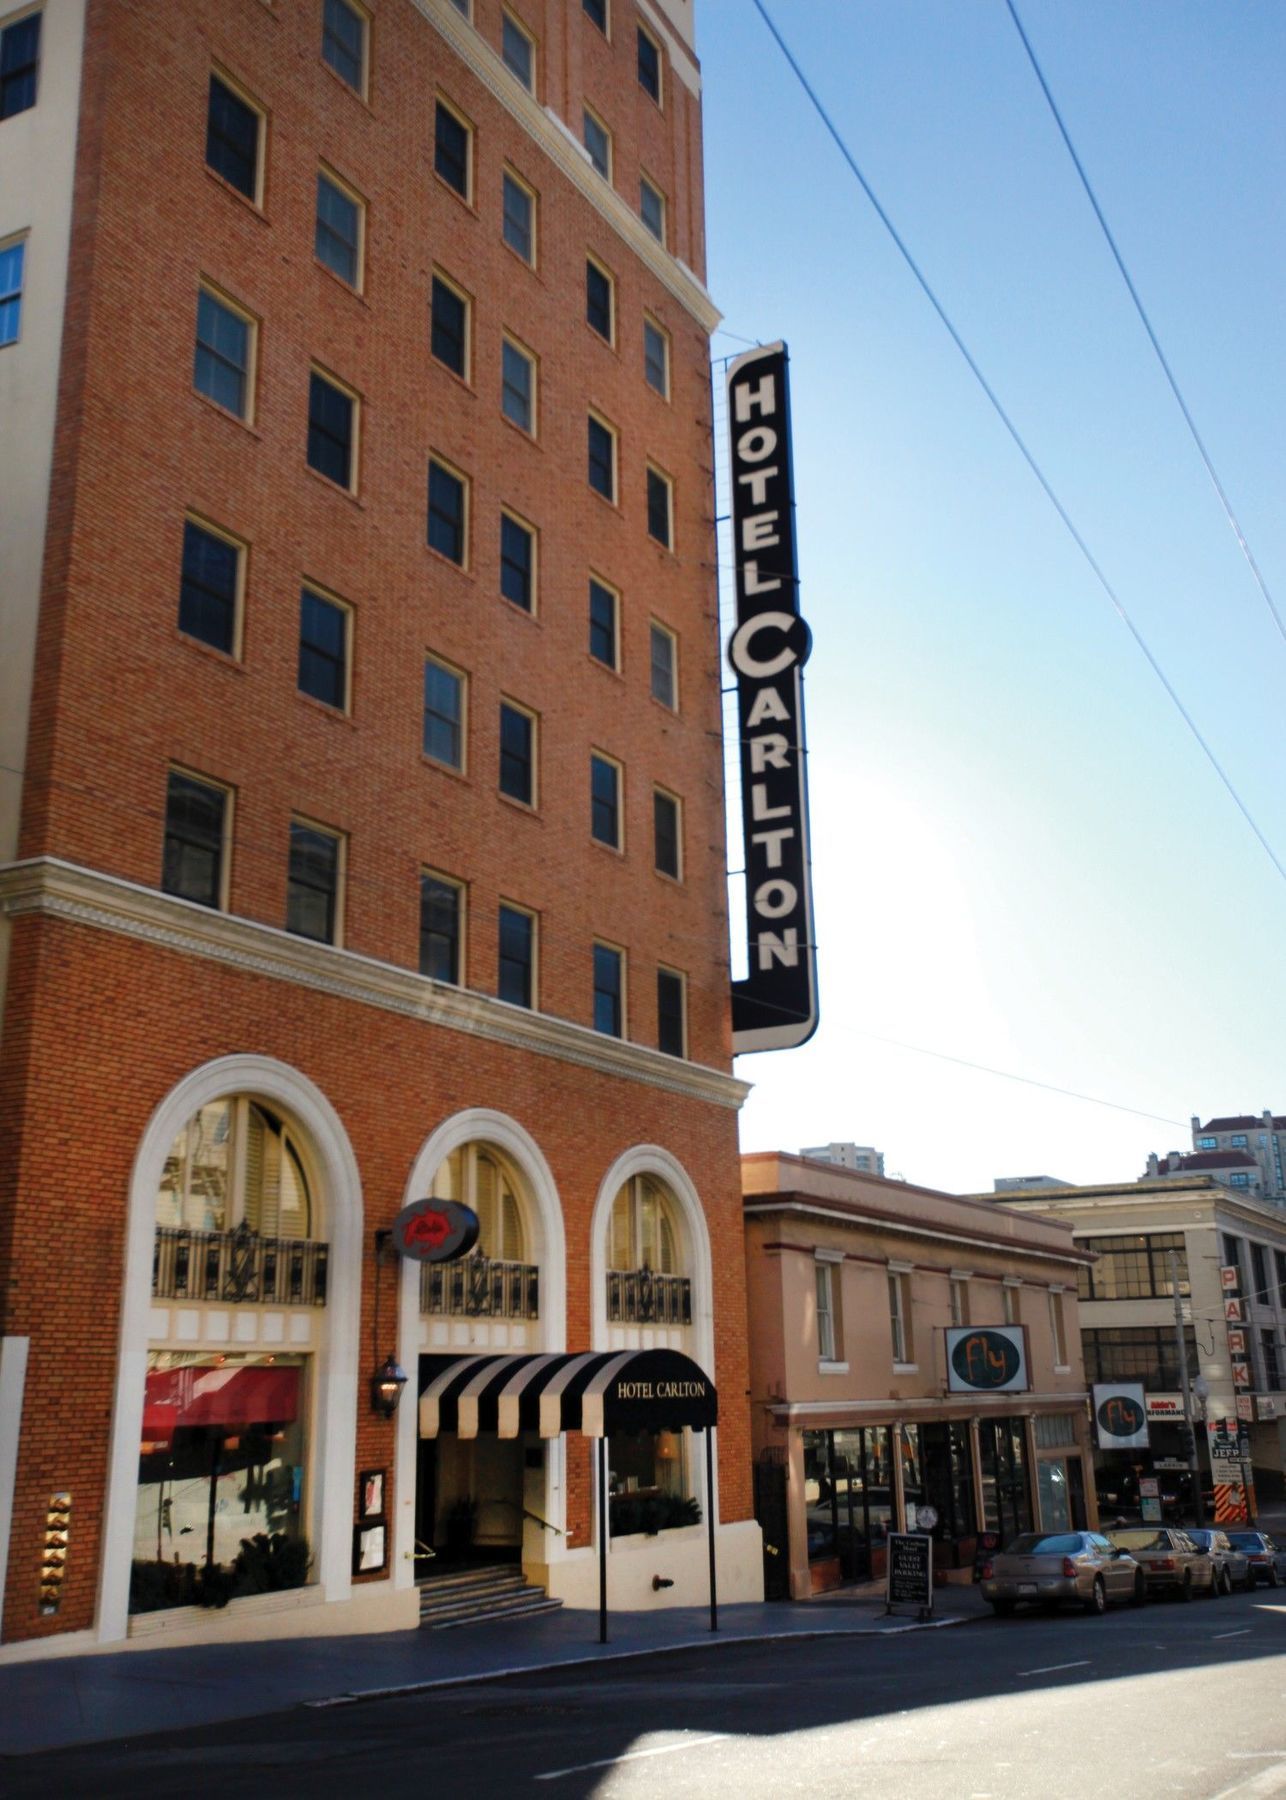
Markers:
{"x": 594, "y": 1392}
{"x": 231, "y": 1396}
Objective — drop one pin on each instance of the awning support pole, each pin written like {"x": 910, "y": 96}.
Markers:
{"x": 714, "y": 1599}
{"x": 602, "y": 1540}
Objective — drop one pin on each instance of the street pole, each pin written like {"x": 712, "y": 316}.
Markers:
{"x": 1194, "y": 1461}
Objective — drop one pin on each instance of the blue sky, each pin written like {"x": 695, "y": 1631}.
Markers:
{"x": 1021, "y": 857}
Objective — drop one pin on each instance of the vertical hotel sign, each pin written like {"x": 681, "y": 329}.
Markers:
{"x": 775, "y": 1007}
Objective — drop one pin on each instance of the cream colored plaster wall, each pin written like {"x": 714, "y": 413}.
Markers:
{"x": 37, "y": 164}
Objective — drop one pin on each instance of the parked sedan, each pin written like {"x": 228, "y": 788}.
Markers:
{"x": 1047, "y": 1568}
{"x": 1232, "y": 1566}
{"x": 1171, "y": 1562}
{"x": 1266, "y": 1559}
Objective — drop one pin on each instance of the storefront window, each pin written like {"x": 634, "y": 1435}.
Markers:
{"x": 647, "y": 1482}
{"x": 222, "y": 1467}
{"x": 1055, "y": 1499}
{"x": 948, "y": 1480}
{"x": 1006, "y": 1493}
{"x": 848, "y": 1498}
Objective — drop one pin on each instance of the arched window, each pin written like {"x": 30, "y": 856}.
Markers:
{"x": 235, "y": 1163}
{"x": 642, "y": 1232}
{"x": 479, "y": 1176}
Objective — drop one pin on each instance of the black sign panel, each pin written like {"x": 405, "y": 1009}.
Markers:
{"x": 659, "y": 1390}
{"x": 910, "y": 1576}
{"x": 775, "y": 1007}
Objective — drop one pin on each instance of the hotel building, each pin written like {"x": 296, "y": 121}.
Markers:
{"x": 361, "y": 810}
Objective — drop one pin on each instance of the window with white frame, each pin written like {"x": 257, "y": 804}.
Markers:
{"x": 518, "y": 51}
{"x": 345, "y": 34}
{"x": 1009, "y": 1302}
{"x": 823, "y": 1278}
{"x": 1057, "y": 1328}
{"x": 900, "y": 1315}
{"x": 959, "y": 1297}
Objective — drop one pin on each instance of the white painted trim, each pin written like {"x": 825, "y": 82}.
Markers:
{"x": 13, "y": 1380}
{"x": 822, "y": 1255}
{"x": 652, "y": 1159}
{"x": 477, "y": 1125}
{"x": 50, "y": 888}
{"x": 334, "y": 1440}
{"x": 832, "y": 1368}
{"x": 554, "y": 137}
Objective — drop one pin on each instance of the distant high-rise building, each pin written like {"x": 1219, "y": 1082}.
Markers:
{"x": 1241, "y": 1151}
{"x": 848, "y": 1156}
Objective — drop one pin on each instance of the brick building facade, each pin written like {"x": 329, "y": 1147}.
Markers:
{"x": 363, "y": 676}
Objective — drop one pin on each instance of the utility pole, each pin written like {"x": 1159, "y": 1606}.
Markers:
{"x": 1194, "y": 1462}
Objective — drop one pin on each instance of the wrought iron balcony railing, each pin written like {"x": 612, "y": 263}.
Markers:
{"x": 478, "y": 1288}
{"x": 237, "y": 1267}
{"x": 638, "y": 1297}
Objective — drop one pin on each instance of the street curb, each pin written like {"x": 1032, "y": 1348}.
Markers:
{"x": 359, "y": 1696}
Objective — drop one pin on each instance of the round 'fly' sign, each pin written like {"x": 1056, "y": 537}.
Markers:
{"x": 435, "y": 1230}
{"x": 985, "y": 1359}
{"x": 1121, "y": 1416}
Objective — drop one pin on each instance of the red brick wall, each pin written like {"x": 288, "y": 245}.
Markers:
{"x": 104, "y": 1026}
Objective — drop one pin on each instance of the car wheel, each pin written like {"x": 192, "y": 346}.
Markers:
{"x": 1274, "y": 1579}
{"x": 1185, "y": 1592}
{"x": 1140, "y": 1593}
{"x": 1002, "y": 1608}
{"x": 1226, "y": 1587}
{"x": 1097, "y": 1602}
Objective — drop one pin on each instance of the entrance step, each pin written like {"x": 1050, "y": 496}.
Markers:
{"x": 476, "y": 1595}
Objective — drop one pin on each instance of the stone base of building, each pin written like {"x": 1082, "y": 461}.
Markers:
{"x": 679, "y": 1556}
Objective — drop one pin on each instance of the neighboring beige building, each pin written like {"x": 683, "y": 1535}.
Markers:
{"x": 857, "y": 1421}
{"x": 1127, "y": 1301}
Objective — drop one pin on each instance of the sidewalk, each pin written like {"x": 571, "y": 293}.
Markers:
{"x": 89, "y": 1699}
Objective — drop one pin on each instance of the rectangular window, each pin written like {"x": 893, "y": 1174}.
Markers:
{"x": 822, "y": 1274}
{"x": 1207, "y": 1143}
{"x": 599, "y": 296}
{"x": 1145, "y": 1353}
{"x": 602, "y": 623}
{"x": 452, "y": 149}
{"x": 518, "y": 52}
{"x": 1269, "y": 1359}
{"x": 959, "y": 1300}
{"x": 660, "y": 507}
{"x": 656, "y": 358}
{"x": 518, "y": 387}
{"x": 602, "y": 458}
{"x": 13, "y": 259}
{"x": 517, "y": 754}
{"x": 1281, "y": 1278}
{"x": 337, "y": 239}
{"x": 323, "y": 648}
{"x": 899, "y": 1317}
{"x": 1239, "y": 1178}
{"x": 1237, "y": 1141}
{"x": 444, "y": 713}
{"x": 1009, "y": 1302}
{"x": 210, "y": 587}
{"x": 1258, "y": 1274}
{"x": 664, "y": 666}
{"x": 609, "y": 1006}
{"x": 449, "y": 332}
{"x": 598, "y": 142}
{"x": 344, "y": 28}
{"x": 597, "y": 11}
{"x": 517, "y": 562}
{"x": 1133, "y": 1266}
{"x": 196, "y": 824}
{"x": 649, "y": 65}
{"x": 519, "y": 226}
{"x": 671, "y": 1020}
{"x": 332, "y": 430}
{"x": 448, "y": 512}
{"x": 1057, "y": 1330}
{"x": 652, "y": 208}
{"x": 441, "y": 921}
{"x": 225, "y": 345}
{"x": 605, "y": 801}
{"x": 516, "y": 961}
{"x": 19, "y": 65}
{"x": 312, "y": 882}
{"x": 233, "y": 138}
{"x": 666, "y": 836}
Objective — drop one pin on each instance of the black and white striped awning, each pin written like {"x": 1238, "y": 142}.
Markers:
{"x": 595, "y": 1392}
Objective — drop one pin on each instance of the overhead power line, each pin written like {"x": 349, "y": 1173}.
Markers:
{"x": 1220, "y": 490}
{"x": 1020, "y": 443}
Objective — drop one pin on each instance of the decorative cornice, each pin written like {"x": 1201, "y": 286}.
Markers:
{"x": 925, "y": 1406}
{"x": 552, "y": 136}
{"x": 763, "y": 1206}
{"x": 50, "y": 888}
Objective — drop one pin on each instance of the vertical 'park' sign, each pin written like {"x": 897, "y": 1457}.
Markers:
{"x": 775, "y": 1007}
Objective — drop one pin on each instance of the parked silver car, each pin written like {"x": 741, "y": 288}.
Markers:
{"x": 1171, "y": 1562}
{"x": 1045, "y": 1568}
{"x": 1266, "y": 1558}
{"x": 1232, "y": 1566}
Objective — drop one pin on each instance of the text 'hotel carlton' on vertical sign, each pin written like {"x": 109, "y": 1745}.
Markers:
{"x": 775, "y": 1007}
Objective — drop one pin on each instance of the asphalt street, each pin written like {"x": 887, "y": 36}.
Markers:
{"x": 1169, "y": 1700}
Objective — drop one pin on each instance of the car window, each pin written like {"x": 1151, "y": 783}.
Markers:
{"x": 1140, "y": 1540}
{"x": 1099, "y": 1542}
{"x": 1035, "y": 1543}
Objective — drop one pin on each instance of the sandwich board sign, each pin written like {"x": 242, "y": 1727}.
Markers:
{"x": 910, "y": 1572}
